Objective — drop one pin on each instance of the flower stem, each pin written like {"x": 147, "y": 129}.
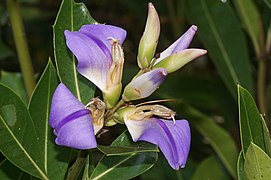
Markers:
{"x": 261, "y": 86}
{"x": 111, "y": 111}
{"x": 21, "y": 45}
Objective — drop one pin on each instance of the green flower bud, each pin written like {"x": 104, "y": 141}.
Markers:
{"x": 149, "y": 40}
{"x": 111, "y": 96}
{"x": 122, "y": 114}
{"x": 177, "y": 60}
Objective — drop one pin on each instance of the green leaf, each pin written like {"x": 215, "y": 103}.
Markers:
{"x": 221, "y": 141}
{"x": 221, "y": 34}
{"x": 89, "y": 167}
{"x": 257, "y": 163}
{"x": 112, "y": 151}
{"x": 15, "y": 82}
{"x": 252, "y": 125}
{"x": 123, "y": 146}
{"x": 124, "y": 166}
{"x": 71, "y": 16}
{"x": 203, "y": 170}
{"x": 55, "y": 159}
{"x": 240, "y": 166}
{"x": 19, "y": 142}
{"x": 252, "y": 22}
{"x": 268, "y": 3}
{"x": 10, "y": 172}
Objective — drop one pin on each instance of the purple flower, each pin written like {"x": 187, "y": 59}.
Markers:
{"x": 173, "y": 139}
{"x": 180, "y": 44}
{"x": 71, "y": 121}
{"x": 144, "y": 85}
{"x": 97, "y": 48}
{"x": 177, "y": 54}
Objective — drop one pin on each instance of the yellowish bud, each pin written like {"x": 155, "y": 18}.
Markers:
{"x": 148, "y": 42}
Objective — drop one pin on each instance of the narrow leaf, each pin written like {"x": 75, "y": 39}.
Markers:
{"x": 39, "y": 109}
{"x": 252, "y": 125}
{"x": 124, "y": 166}
{"x": 15, "y": 82}
{"x": 251, "y": 20}
{"x": 19, "y": 141}
{"x": 240, "y": 166}
{"x": 111, "y": 151}
{"x": 220, "y": 32}
{"x": 89, "y": 167}
{"x": 71, "y": 16}
{"x": 9, "y": 171}
{"x": 257, "y": 163}
{"x": 203, "y": 170}
{"x": 123, "y": 146}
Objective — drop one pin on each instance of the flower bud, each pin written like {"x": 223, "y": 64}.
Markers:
{"x": 123, "y": 113}
{"x": 149, "y": 40}
{"x": 111, "y": 96}
{"x": 144, "y": 85}
{"x": 177, "y": 60}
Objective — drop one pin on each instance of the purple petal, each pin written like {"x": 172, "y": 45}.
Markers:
{"x": 180, "y": 44}
{"x": 145, "y": 84}
{"x": 71, "y": 121}
{"x": 77, "y": 134}
{"x": 104, "y": 32}
{"x": 94, "y": 59}
{"x": 172, "y": 139}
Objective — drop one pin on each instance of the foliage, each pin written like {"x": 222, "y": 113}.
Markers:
{"x": 228, "y": 85}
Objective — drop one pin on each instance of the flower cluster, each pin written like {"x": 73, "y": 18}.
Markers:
{"x": 98, "y": 49}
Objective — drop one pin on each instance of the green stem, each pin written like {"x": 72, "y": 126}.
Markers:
{"x": 109, "y": 113}
{"x": 21, "y": 45}
{"x": 261, "y": 87}
{"x": 77, "y": 166}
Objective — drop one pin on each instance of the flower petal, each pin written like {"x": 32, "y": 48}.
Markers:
{"x": 144, "y": 85}
{"x": 77, "y": 133}
{"x": 104, "y": 32}
{"x": 180, "y": 44}
{"x": 63, "y": 104}
{"x": 93, "y": 61}
{"x": 71, "y": 121}
{"x": 172, "y": 139}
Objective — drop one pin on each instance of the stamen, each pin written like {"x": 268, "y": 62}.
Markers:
{"x": 173, "y": 118}
{"x": 116, "y": 69}
{"x": 88, "y": 104}
{"x": 156, "y": 101}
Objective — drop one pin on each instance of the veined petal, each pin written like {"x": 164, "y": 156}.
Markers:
{"x": 177, "y": 60}
{"x": 104, "y": 32}
{"x": 180, "y": 44}
{"x": 94, "y": 59}
{"x": 144, "y": 85}
{"x": 71, "y": 121}
{"x": 172, "y": 139}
